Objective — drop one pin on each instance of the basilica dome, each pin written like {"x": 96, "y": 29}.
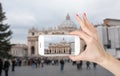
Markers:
{"x": 67, "y": 24}
{"x": 63, "y": 41}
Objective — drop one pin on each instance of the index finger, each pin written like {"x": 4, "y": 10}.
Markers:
{"x": 82, "y": 24}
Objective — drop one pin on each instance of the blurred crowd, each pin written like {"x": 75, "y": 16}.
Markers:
{"x": 39, "y": 62}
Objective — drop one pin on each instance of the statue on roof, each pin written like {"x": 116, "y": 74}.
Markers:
{"x": 68, "y": 17}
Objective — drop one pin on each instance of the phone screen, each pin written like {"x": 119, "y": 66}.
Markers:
{"x": 59, "y": 44}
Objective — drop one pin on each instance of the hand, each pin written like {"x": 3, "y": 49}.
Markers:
{"x": 94, "y": 51}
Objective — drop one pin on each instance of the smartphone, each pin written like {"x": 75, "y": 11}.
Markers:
{"x": 58, "y": 45}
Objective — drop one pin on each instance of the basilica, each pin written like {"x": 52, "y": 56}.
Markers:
{"x": 64, "y": 28}
{"x": 109, "y": 34}
{"x": 61, "y": 47}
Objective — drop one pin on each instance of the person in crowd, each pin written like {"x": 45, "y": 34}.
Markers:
{"x": 20, "y": 62}
{"x": 81, "y": 63}
{"x": 33, "y": 64}
{"x": 39, "y": 62}
{"x": 74, "y": 63}
{"x": 1, "y": 66}
{"x": 56, "y": 62}
{"x": 36, "y": 63}
{"x": 6, "y": 67}
{"x": 42, "y": 63}
{"x": 87, "y": 65}
{"x": 13, "y": 65}
{"x": 94, "y": 65}
{"x": 94, "y": 51}
{"x": 53, "y": 62}
{"x": 62, "y": 64}
{"x": 78, "y": 65}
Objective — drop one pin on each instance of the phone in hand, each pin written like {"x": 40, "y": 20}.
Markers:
{"x": 58, "y": 45}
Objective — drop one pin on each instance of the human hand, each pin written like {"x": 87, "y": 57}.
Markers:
{"x": 94, "y": 51}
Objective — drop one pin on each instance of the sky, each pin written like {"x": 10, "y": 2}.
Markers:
{"x": 25, "y": 14}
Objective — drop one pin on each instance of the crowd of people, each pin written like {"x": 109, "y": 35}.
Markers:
{"x": 39, "y": 63}
{"x": 5, "y": 64}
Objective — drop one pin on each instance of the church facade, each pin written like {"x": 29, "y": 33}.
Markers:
{"x": 62, "y": 47}
{"x": 64, "y": 28}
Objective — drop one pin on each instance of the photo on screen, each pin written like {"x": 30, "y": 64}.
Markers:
{"x": 59, "y": 44}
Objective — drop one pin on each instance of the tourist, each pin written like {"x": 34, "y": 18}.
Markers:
{"x": 87, "y": 65}
{"x": 74, "y": 63}
{"x": 6, "y": 67}
{"x": 13, "y": 65}
{"x": 94, "y": 65}
{"x": 94, "y": 51}
{"x": 20, "y": 62}
{"x": 1, "y": 66}
{"x": 33, "y": 64}
{"x": 53, "y": 62}
{"x": 42, "y": 63}
{"x": 79, "y": 65}
{"x": 62, "y": 64}
{"x": 39, "y": 62}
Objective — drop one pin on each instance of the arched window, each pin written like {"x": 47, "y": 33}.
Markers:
{"x": 33, "y": 33}
{"x": 32, "y": 50}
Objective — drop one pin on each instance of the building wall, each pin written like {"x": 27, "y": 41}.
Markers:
{"x": 19, "y": 50}
{"x": 33, "y": 42}
{"x": 102, "y": 32}
{"x": 114, "y": 37}
{"x": 59, "y": 48}
{"x": 113, "y": 26}
{"x": 112, "y": 22}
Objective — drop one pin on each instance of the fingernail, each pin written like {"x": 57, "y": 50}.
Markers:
{"x": 77, "y": 14}
{"x": 84, "y": 14}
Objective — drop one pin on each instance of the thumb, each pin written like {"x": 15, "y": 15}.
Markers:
{"x": 77, "y": 57}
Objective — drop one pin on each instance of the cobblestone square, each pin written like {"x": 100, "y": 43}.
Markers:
{"x": 54, "y": 70}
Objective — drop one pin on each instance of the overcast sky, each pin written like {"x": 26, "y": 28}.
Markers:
{"x": 24, "y": 14}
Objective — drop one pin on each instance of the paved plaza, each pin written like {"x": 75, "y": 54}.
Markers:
{"x": 53, "y": 70}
